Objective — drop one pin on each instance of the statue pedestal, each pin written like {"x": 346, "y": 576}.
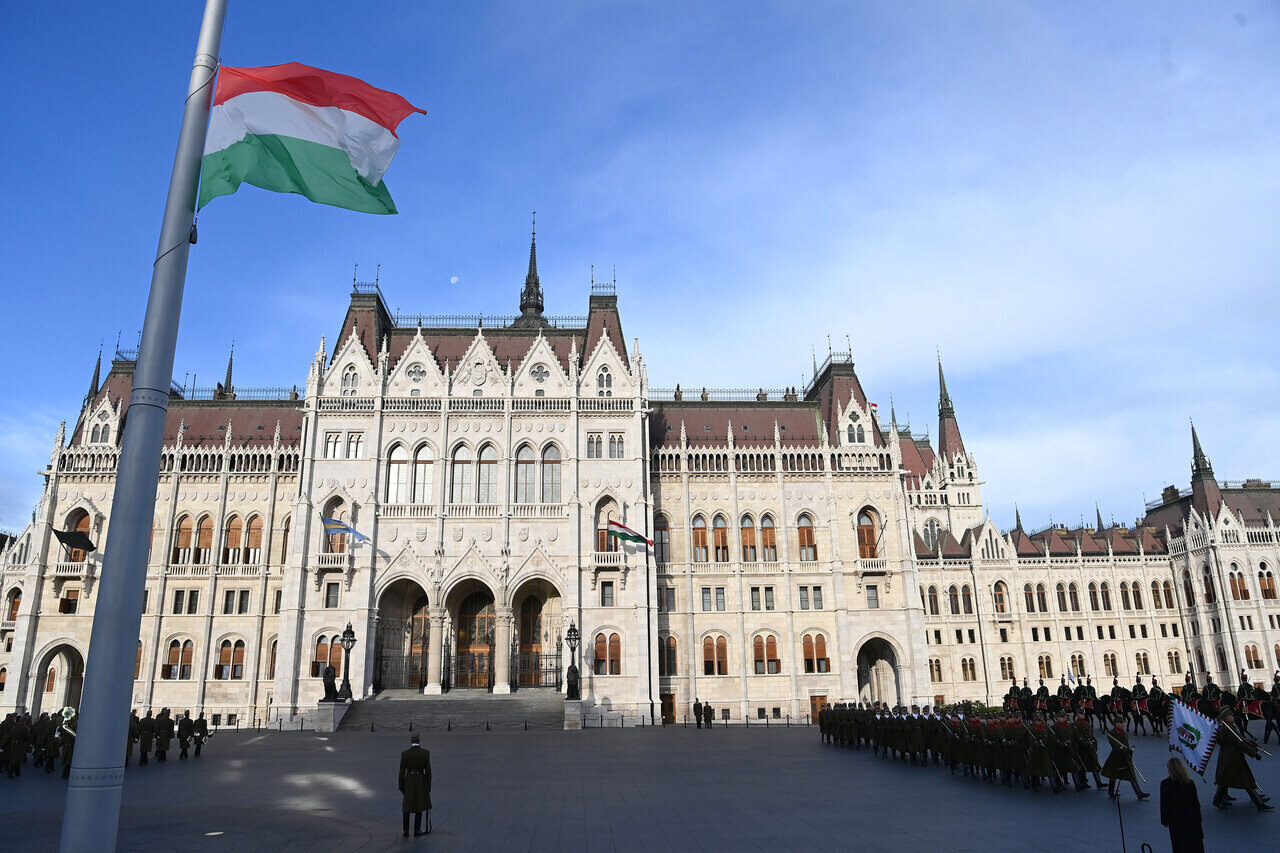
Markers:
{"x": 329, "y": 715}
{"x": 573, "y": 716}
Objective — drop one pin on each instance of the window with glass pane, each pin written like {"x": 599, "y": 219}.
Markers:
{"x": 606, "y": 594}
{"x": 193, "y": 602}
{"x": 699, "y": 539}
{"x": 526, "y": 482}
{"x": 719, "y": 598}
{"x": 804, "y": 598}
{"x": 551, "y": 475}
{"x": 808, "y": 545}
{"x": 670, "y": 593}
{"x": 423, "y": 475}
{"x": 706, "y": 598}
{"x": 747, "y": 533}
{"x": 487, "y": 492}
{"x": 768, "y": 598}
{"x": 460, "y": 485}
{"x": 397, "y": 475}
{"x": 817, "y": 598}
{"x": 755, "y": 598}
{"x": 331, "y": 595}
{"x": 720, "y": 532}
{"x": 873, "y": 596}
{"x": 661, "y": 540}
{"x": 768, "y": 541}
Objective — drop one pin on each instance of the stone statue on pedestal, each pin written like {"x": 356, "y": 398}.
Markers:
{"x": 330, "y": 684}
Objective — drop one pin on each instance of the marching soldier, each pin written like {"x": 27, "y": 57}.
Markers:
{"x": 67, "y": 737}
{"x": 17, "y": 740}
{"x": 146, "y": 737}
{"x": 201, "y": 732}
{"x": 1119, "y": 764}
{"x": 132, "y": 737}
{"x": 1233, "y": 771}
{"x": 164, "y": 734}
{"x": 1064, "y": 754}
{"x": 1086, "y": 747}
{"x": 1212, "y": 692}
{"x": 43, "y": 747}
{"x": 186, "y": 728}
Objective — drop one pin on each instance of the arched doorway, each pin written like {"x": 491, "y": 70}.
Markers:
{"x": 404, "y": 630}
{"x": 878, "y": 672}
{"x": 537, "y": 645}
{"x": 474, "y": 632}
{"x": 58, "y": 682}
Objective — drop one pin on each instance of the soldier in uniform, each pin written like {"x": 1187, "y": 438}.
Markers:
{"x": 42, "y": 742}
{"x": 708, "y": 714}
{"x": 1011, "y": 696}
{"x": 1039, "y": 764}
{"x": 132, "y": 737}
{"x": 1233, "y": 771}
{"x": 915, "y": 736}
{"x": 1042, "y": 692}
{"x": 146, "y": 737}
{"x": 1245, "y": 690}
{"x": 201, "y": 732}
{"x": 186, "y": 728}
{"x": 415, "y": 784}
{"x": 164, "y": 734}
{"x": 1025, "y": 700}
{"x": 17, "y": 740}
{"x": 1119, "y": 764}
{"x": 1064, "y": 695}
{"x": 1086, "y": 748}
{"x": 1139, "y": 693}
{"x": 67, "y": 737}
{"x": 1212, "y": 692}
{"x": 697, "y": 711}
{"x": 1273, "y": 722}
{"x": 1156, "y": 692}
{"x": 1064, "y": 754}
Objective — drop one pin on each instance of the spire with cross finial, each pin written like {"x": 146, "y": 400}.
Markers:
{"x": 226, "y": 386}
{"x": 949, "y": 440}
{"x": 531, "y": 297}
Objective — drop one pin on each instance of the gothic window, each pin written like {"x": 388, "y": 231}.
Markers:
{"x": 1266, "y": 582}
{"x": 933, "y": 601}
{"x": 608, "y": 655}
{"x": 606, "y": 511}
{"x": 355, "y": 445}
{"x": 768, "y": 542}
{"x": 853, "y": 435}
{"x": 1210, "y": 595}
{"x": 616, "y": 446}
{"x": 1041, "y": 598}
{"x": 699, "y": 539}
{"x": 935, "y": 670}
{"x": 968, "y": 669}
{"x": 231, "y": 539}
{"x": 953, "y": 600}
{"x": 336, "y": 542}
{"x": 271, "y": 661}
{"x": 604, "y": 383}
{"x": 1073, "y": 593}
{"x": 460, "y": 481}
{"x": 661, "y": 540}
{"x": 1062, "y": 597}
{"x": 204, "y": 541}
{"x": 397, "y": 475}
{"x": 1006, "y": 669}
{"x": 931, "y": 529}
{"x": 15, "y": 601}
{"x": 1106, "y": 595}
{"x": 526, "y": 482}
{"x": 551, "y": 475}
{"x": 720, "y": 532}
{"x": 1137, "y": 596}
{"x": 747, "y": 533}
{"x": 1077, "y": 665}
{"x": 1142, "y": 666}
{"x": 595, "y": 445}
{"x": 1187, "y": 592}
{"x": 808, "y": 546}
{"x": 967, "y": 596}
{"x": 284, "y": 539}
{"x": 866, "y": 536}
{"x": 1109, "y": 665}
{"x": 423, "y": 473}
{"x": 1175, "y": 662}
{"x": 1155, "y": 594}
{"x": 1124, "y": 595}
{"x": 715, "y": 656}
{"x": 999, "y": 597}
{"x": 1093, "y": 596}
{"x": 1030, "y": 597}
{"x": 1046, "y": 666}
{"x": 350, "y": 381}
{"x": 861, "y": 435}
{"x": 79, "y": 522}
{"x": 1222, "y": 658}
{"x": 667, "y": 657}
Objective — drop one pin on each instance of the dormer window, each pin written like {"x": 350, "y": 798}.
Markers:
{"x": 350, "y": 381}
{"x": 604, "y": 383}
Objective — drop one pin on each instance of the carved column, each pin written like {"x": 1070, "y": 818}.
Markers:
{"x": 435, "y": 651}
{"x": 502, "y": 651}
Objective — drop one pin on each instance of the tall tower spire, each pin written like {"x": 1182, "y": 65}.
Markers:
{"x": 1205, "y": 494}
{"x": 531, "y": 296}
{"x": 945, "y": 409}
{"x": 1200, "y": 466}
{"x": 97, "y": 375}
{"x": 949, "y": 440}
{"x": 226, "y": 386}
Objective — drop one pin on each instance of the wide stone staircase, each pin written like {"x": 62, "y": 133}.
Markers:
{"x": 460, "y": 709}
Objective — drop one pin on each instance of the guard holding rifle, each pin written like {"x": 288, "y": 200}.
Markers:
{"x": 1233, "y": 771}
{"x": 1119, "y": 764}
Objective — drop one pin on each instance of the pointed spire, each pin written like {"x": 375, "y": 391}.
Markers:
{"x": 1101, "y": 526}
{"x": 893, "y": 415}
{"x": 97, "y": 375}
{"x": 531, "y": 296}
{"x": 226, "y": 386}
{"x": 1017, "y": 518}
{"x": 1200, "y": 466}
{"x": 945, "y": 409}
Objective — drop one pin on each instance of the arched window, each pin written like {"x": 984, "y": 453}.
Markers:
{"x": 204, "y": 541}
{"x": 604, "y": 383}
{"x": 1188, "y": 594}
{"x": 715, "y": 656}
{"x": 1030, "y": 598}
{"x": 1006, "y": 669}
{"x": 79, "y": 522}
{"x": 699, "y": 539}
{"x": 336, "y": 541}
{"x": 1233, "y": 585}
{"x": 808, "y": 545}
{"x": 50, "y": 679}
{"x": 1168, "y": 595}
{"x": 1109, "y": 665}
{"x": 1137, "y": 596}
{"x": 232, "y": 536}
{"x": 1124, "y": 596}
{"x": 284, "y": 539}
{"x": 1175, "y": 662}
{"x": 271, "y": 661}
{"x": 1062, "y": 597}
{"x": 866, "y": 536}
{"x": 230, "y": 660}
{"x": 661, "y": 539}
{"x": 1046, "y": 666}
{"x": 1073, "y": 592}
{"x": 1106, "y": 596}
{"x": 253, "y": 541}
{"x": 615, "y": 654}
{"x": 182, "y": 536}
{"x": 720, "y": 531}
{"x": 526, "y": 475}
{"x": 1093, "y": 596}
{"x": 933, "y": 601}
{"x": 551, "y": 475}
{"x": 931, "y": 529}
{"x": 1276, "y": 650}
{"x": 460, "y": 477}
{"x": 137, "y": 663}
{"x": 757, "y": 649}
{"x": 1222, "y": 657}
{"x": 397, "y": 476}
{"x": 968, "y": 670}
{"x": 967, "y": 595}
{"x": 935, "y": 670}
{"x": 14, "y": 602}
{"x": 924, "y": 604}
{"x": 768, "y": 540}
{"x": 1210, "y": 594}
{"x": 1000, "y": 596}
{"x": 423, "y": 474}
{"x": 350, "y": 381}
{"x": 1266, "y": 582}
{"x": 1155, "y": 594}
{"x": 747, "y": 533}
{"x": 487, "y": 482}
{"x": 1077, "y": 665}
{"x": 1041, "y": 599}
{"x": 1141, "y": 665}
{"x": 1200, "y": 660}
{"x": 667, "y": 657}
{"x": 601, "y": 666}
{"x": 853, "y": 434}
{"x": 953, "y": 600}
{"x": 321, "y": 659}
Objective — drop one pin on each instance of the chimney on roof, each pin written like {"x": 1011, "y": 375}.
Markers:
{"x": 1170, "y": 494}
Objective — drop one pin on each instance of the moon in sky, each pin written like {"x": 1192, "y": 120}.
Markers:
{"x": 453, "y": 279}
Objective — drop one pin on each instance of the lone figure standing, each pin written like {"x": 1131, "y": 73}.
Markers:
{"x": 697, "y": 711}
{"x": 415, "y": 784}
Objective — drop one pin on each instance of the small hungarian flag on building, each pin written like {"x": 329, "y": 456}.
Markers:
{"x": 621, "y": 531}
{"x": 296, "y": 129}
{"x": 333, "y": 526}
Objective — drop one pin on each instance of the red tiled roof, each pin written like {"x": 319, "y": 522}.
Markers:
{"x": 952, "y": 549}
{"x": 602, "y": 319}
{"x": 911, "y": 458}
{"x": 1024, "y": 545}
{"x": 708, "y": 422}
{"x": 922, "y": 550}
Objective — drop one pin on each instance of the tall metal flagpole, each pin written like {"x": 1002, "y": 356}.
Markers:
{"x": 92, "y": 816}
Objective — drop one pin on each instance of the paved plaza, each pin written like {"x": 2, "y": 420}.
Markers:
{"x": 632, "y": 789}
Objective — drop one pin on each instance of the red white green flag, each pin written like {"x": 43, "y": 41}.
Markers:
{"x": 296, "y": 129}
{"x": 623, "y": 532}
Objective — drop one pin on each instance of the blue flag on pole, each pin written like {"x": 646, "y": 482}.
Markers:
{"x": 332, "y": 526}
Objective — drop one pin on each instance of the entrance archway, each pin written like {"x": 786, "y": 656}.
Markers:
{"x": 878, "y": 672}
{"x": 59, "y": 678}
{"x": 474, "y": 636}
{"x": 537, "y": 645}
{"x": 404, "y": 631}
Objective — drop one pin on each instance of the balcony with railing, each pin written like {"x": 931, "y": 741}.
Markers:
{"x": 537, "y": 511}
{"x": 411, "y": 404}
{"x": 873, "y": 564}
{"x": 477, "y": 405}
{"x": 407, "y": 511}
{"x": 540, "y": 404}
{"x": 8, "y": 624}
{"x": 606, "y": 404}
{"x": 241, "y": 570}
{"x": 190, "y": 570}
{"x": 608, "y": 559}
{"x": 339, "y": 560}
{"x": 474, "y": 511}
{"x": 345, "y": 404}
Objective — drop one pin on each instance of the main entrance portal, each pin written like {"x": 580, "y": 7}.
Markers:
{"x": 404, "y": 630}
{"x": 878, "y": 673}
{"x": 473, "y": 661}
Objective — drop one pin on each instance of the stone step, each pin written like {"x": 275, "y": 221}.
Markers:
{"x": 463, "y": 708}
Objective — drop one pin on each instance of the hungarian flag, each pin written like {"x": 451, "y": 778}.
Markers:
{"x": 296, "y": 129}
{"x": 623, "y": 532}
{"x": 1192, "y": 735}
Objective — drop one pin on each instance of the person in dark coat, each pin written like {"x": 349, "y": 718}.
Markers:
{"x": 67, "y": 743}
{"x": 415, "y": 784}
{"x": 1233, "y": 771}
{"x": 1180, "y": 809}
{"x": 132, "y": 737}
{"x": 186, "y": 728}
{"x": 708, "y": 714}
{"x": 697, "y": 711}
{"x": 1119, "y": 764}
{"x": 146, "y": 737}
{"x": 17, "y": 742}
{"x": 201, "y": 732}
{"x": 164, "y": 734}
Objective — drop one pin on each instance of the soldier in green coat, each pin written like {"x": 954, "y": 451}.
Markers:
{"x": 415, "y": 784}
{"x": 164, "y": 734}
{"x": 1233, "y": 771}
{"x": 146, "y": 737}
{"x": 1119, "y": 764}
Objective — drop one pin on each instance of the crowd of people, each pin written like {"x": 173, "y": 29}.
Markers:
{"x": 49, "y": 740}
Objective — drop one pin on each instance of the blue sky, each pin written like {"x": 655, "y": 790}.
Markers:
{"x": 1076, "y": 203}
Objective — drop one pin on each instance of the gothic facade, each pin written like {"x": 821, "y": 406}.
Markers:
{"x": 804, "y": 551}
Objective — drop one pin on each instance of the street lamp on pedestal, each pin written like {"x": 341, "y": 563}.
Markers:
{"x": 571, "y": 637}
{"x": 348, "y": 643}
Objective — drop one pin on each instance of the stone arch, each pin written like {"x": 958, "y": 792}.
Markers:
{"x": 539, "y": 621}
{"x": 402, "y": 635}
{"x": 67, "y": 659}
{"x": 879, "y": 662}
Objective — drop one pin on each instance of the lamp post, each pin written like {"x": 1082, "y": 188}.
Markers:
{"x": 571, "y": 637}
{"x": 348, "y": 643}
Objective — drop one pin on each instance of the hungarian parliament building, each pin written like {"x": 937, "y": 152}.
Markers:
{"x": 805, "y": 550}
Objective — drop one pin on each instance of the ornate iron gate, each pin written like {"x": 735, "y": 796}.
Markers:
{"x": 537, "y": 668}
{"x": 399, "y": 671}
{"x": 473, "y": 668}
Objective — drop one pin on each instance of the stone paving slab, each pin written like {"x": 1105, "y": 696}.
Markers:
{"x": 620, "y": 790}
